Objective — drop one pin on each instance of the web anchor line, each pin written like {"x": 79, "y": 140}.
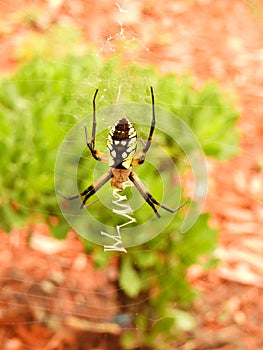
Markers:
{"x": 124, "y": 211}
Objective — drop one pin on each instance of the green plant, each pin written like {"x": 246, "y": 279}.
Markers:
{"x": 45, "y": 98}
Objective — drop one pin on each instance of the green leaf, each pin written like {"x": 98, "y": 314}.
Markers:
{"x": 60, "y": 230}
{"x": 199, "y": 240}
{"x": 164, "y": 325}
{"x": 184, "y": 321}
{"x": 128, "y": 340}
{"x": 129, "y": 279}
{"x": 146, "y": 259}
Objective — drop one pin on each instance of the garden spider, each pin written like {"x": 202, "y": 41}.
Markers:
{"x": 122, "y": 145}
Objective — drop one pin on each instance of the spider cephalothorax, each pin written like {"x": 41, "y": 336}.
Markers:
{"x": 122, "y": 145}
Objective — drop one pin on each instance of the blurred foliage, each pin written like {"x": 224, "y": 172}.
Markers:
{"x": 43, "y": 100}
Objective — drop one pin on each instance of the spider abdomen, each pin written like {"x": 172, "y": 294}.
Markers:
{"x": 122, "y": 144}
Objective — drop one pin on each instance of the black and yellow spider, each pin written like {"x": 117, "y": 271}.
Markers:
{"x": 122, "y": 145}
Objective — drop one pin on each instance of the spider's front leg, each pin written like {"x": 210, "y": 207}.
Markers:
{"x": 91, "y": 144}
{"x": 141, "y": 158}
{"x": 101, "y": 157}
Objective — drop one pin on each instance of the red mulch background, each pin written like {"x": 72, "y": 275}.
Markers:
{"x": 53, "y": 283}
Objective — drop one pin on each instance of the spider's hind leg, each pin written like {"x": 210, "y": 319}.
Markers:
{"x": 91, "y": 190}
{"x": 68, "y": 198}
{"x": 149, "y": 198}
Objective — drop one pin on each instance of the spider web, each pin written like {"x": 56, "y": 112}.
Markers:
{"x": 90, "y": 300}
{"x": 70, "y": 154}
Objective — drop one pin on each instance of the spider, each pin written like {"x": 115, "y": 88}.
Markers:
{"x": 122, "y": 145}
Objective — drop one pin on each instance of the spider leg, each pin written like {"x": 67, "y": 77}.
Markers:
{"x": 68, "y": 198}
{"x": 149, "y": 198}
{"x": 91, "y": 144}
{"x": 92, "y": 189}
{"x": 141, "y": 158}
{"x": 95, "y": 187}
